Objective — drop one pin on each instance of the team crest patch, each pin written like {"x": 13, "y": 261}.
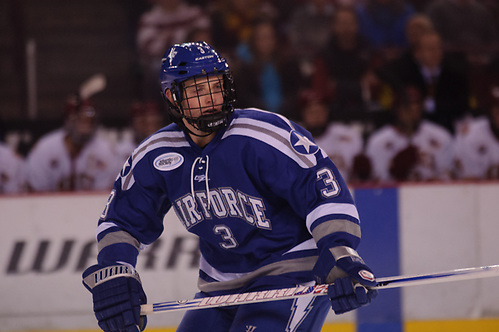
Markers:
{"x": 168, "y": 161}
{"x": 302, "y": 144}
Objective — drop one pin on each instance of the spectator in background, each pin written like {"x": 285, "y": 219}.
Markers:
{"x": 146, "y": 119}
{"x": 492, "y": 6}
{"x": 417, "y": 25}
{"x": 73, "y": 158}
{"x": 309, "y": 29}
{"x": 12, "y": 173}
{"x": 383, "y": 22}
{"x": 390, "y": 72}
{"x": 477, "y": 151}
{"x": 275, "y": 77}
{"x": 200, "y": 34}
{"x": 441, "y": 77}
{"x": 420, "y": 5}
{"x": 165, "y": 23}
{"x": 482, "y": 79}
{"x": 343, "y": 69}
{"x": 411, "y": 148}
{"x": 232, "y": 21}
{"x": 341, "y": 142}
{"x": 465, "y": 25}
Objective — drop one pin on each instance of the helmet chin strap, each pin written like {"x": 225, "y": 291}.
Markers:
{"x": 208, "y": 123}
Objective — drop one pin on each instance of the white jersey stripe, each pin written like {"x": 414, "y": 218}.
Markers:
{"x": 163, "y": 139}
{"x": 105, "y": 225}
{"x": 329, "y": 209}
{"x": 216, "y": 274}
{"x": 272, "y": 135}
{"x": 283, "y": 118}
{"x": 305, "y": 245}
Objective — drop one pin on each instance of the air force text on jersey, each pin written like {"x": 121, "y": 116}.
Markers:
{"x": 225, "y": 202}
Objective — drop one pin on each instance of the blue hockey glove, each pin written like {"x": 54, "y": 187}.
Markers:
{"x": 353, "y": 291}
{"x": 117, "y": 294}
{"x": 350, "y": 276}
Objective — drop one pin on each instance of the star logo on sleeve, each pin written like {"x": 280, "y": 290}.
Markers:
{"x": 126, "y": 168}
{"x": 302, "y": 144}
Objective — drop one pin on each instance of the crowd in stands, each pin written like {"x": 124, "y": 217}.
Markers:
{"x": 391, "y": 90}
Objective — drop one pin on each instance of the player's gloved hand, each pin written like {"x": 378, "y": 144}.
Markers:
{"x": 117, "y": 295}
{"x": 350, "y": 276}
{"x": 353, "y": 291}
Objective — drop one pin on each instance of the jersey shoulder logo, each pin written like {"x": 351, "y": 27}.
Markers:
{"x": 168, "y": 161}
{"x": 127, "y": 166}
{"x": 302, "y": 144}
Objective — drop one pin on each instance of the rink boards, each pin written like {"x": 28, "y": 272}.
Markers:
{"x": 47, "y": 240}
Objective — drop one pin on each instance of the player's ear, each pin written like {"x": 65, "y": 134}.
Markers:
{"x": 168, "y": 95}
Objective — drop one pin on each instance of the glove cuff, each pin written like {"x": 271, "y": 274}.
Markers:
{"x": 338, "y": 253}
{"x": 97, "y": 277}
{"x": 344, "y": 251}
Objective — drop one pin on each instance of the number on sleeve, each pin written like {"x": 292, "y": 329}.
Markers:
{"x": 331, "y": 186}
{"x": 109, "y": 200}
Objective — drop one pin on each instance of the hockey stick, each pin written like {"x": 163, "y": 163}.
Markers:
{"x": 299, "y": 291}
{"x": 92, "y": 85}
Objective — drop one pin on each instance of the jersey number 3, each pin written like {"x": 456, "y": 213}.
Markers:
{"x": 229, "y": 240}
{"x": 331, "y": 186}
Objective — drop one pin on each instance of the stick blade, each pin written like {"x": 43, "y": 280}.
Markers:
{"x": 94, "y": 84}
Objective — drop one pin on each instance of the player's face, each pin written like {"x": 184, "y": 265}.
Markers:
{"x": 82, "y": 125}
{"x": 409, "y": 115}
{"x": 85, "y": 121}
{"x": 202, "y": 96}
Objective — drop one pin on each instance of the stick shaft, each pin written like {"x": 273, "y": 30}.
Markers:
{"x": 318, "y": 290}
{"x": 439, "y": 277}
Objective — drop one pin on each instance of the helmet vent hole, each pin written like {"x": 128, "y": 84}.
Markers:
{"x": 182, "y": 72}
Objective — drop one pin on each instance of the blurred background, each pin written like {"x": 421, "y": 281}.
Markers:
{"x": 357, "y": 61}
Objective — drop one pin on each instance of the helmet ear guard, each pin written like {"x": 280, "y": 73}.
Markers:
{"x": 183, "y": 62}
{"x": 173, "y": 111}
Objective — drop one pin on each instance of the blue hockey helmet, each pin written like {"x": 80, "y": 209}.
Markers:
{"x": 196, "y": 60}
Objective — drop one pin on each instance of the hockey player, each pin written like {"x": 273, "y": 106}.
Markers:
{"x": 270, "y": 209}
{"x": 342, "y": 142}
{"x": 12, "y": 175}
{"x": 477, "y": 151}
{"x": 72, "y": 158}
{"x": 411, "y": 148}
{"x": 146, "y": 119}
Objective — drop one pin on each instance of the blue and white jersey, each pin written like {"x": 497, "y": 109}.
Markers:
{"x": 260, "y": 196}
